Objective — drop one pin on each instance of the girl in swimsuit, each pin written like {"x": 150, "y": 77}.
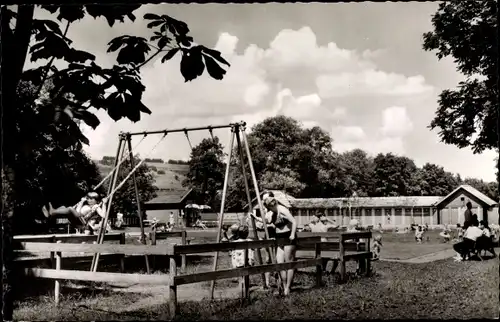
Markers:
{"x": 286, "y": 227}
{"x": 84, "y": 210}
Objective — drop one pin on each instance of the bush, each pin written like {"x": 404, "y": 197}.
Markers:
{"x": 160, "y": 171}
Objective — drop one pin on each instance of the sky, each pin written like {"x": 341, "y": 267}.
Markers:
{"x": 355, "y": 69}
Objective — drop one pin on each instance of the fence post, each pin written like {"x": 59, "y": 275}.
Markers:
{"x": 368, "y": 259}
{"x": 341, "y": 257}
{"x": 122, "y": 257}
{"x": 57, "y": 284}
{"x": 183, "y": 260}
{"x": 172, "y": 296}
{"x": 152, "y": 238}
{"x": 319, "y": 266}
{"x": 52, "y": 254}
{"x": 246, "y": 279}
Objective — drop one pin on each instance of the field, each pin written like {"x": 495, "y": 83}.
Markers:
{"x": 170, "y": 180}
{"x": 441, "y": 289}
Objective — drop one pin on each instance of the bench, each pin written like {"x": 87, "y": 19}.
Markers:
{"x": 347, "y": 247}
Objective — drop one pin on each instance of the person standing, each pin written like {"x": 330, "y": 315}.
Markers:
{"x": 468, "y": 215}
{"x": 172, "y": 219}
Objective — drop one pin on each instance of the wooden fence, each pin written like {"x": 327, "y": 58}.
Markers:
{"x": 347, "y": 246}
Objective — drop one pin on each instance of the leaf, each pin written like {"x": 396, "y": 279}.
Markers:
{"x": 113, "y": 13}
{"x": 163, "y": 42}
{"x": 134, "y": 49}
{"x": 213, "y": 68}
{"x": 215, "y": 54}
{"x": 71, "y": 13}
{"x": 192, "y": 64}
{"x": 155, "y": 23}
{"x": 113, "y": 102}
{"x": 50, "y": 7}
{"x": 177, "y": 27}
{"x": 116, "y": 43}
{"x": 89, "y": 118}
{"x": 52, "y": 25}
{"x": 80, "y": 56}
{"x": 151, "y": 16}
{"x": 171, "y": 53}
{"x": 155, "y": 37}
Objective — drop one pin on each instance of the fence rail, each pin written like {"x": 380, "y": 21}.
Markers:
{"x": 358, "y": 251}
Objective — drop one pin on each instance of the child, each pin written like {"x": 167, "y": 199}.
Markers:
{"x": 460, "y": 232}
{"x": 445, "y": 235}
{"x": 377, "y": 246}
{"x": 419, "y": 234}
{"x": 238, "y": 255}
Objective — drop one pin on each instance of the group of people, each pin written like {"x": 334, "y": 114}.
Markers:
{"x": 280, "y": 224}
{"x": 477, "y": 236}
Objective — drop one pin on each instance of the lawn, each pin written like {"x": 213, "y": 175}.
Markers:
{"x": 437, "y": 290}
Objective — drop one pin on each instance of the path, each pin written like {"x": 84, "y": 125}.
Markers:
{"x": 443, "y": 254}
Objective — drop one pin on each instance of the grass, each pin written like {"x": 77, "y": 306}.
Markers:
{"x": 170, "y": 180}
{"x": 438, "y": 290}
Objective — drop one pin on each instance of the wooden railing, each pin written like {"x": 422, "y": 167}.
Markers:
{"x": 347, "y": 251}
{"x": 155, "y": 236}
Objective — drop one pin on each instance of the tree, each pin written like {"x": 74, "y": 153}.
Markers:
{"x": 124, "y": 200}
{"x": 82, "y": 83}
{"x": 47, "y": 173}
{"x": 206, "y": 171}
{"x": 393, "y": 175}
{"x": 358, "y": 170}
{"x": 468, "y": 116}
{"x": 487, "y": 188}
{"x": 433, "y": 180}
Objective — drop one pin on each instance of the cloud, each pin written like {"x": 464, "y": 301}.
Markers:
{"x": 293, "y": 76}
{"x": 370, "y": 82}
{"x": 396, "y": 122}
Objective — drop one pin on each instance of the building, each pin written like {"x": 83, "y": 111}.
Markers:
{"x": 168, "y": 201}
{"x": 392, "y": 211}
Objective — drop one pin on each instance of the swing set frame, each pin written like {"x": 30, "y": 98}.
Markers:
{"x": 243, "y": 149}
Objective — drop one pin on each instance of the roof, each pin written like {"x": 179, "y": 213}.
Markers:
{"x": 282, "y": 197}
{"x": 367, "y": 202}
{"x": 170, "y": 196}
{"x": 471, "y": 192}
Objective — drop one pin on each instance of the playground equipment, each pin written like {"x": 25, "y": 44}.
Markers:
{"x": 237, "y": 132}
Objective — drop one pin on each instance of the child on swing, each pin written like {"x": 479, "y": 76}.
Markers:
{"x": 79, "y": 215}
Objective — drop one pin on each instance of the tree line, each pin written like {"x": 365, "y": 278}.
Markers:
{"x": 286, "y": 156}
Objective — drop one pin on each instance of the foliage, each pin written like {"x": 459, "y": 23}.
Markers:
{"x": 393, "y": 175}
{"x": 177, "y": 162}
{"x": 154, "y": 160}
{"x": 206, "y": 171}
{"x": 124, "y": 200}
{"x": 82, "y": 83}
{"x": 488, "y": 188}
{"x": 467, "y": 116}
{"x": 301, "y": 162}
{"x": 48, "y": 172}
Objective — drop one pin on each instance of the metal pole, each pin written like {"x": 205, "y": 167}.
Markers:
{"x": 100, "y": 237}
{"x": 257, "y": 192}
{"x": 249, "y": 198}
{"x": 137, "y": 198}
{"x": 225, "y": 126}
{"x": 222, "y": 205}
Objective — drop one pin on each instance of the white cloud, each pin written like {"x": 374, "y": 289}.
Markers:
{"x": 256, "y": 86}
{"x": 370, "y": 82}
{"x": 396, "y": 122}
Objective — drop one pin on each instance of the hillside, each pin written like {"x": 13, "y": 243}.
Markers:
{"x": 170, "y": 180}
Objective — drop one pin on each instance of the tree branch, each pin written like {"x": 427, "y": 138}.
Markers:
{"x": 152, "y": 56}
{"x": 22, "y": 35}
{"x": 49, "y": 64}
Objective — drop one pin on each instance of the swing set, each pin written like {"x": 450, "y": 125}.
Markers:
{"x": 125, "y": 143}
